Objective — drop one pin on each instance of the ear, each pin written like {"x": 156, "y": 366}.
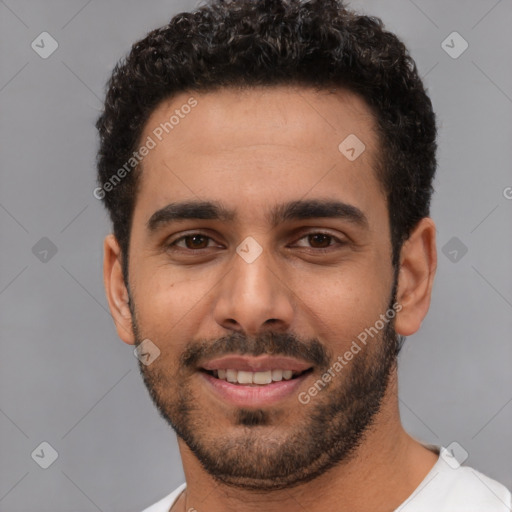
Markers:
{"x": 418, "y": 263}
{"x": 115, "y": 289}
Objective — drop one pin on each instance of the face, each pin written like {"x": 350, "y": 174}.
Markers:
{"x": 259, "y": 250}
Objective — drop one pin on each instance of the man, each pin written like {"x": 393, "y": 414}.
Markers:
{"x": 268, "y": 170}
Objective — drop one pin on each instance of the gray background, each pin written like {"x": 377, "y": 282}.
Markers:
{"x": 65, "y": 376}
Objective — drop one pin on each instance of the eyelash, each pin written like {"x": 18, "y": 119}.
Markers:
{"x": 172, "y": 244}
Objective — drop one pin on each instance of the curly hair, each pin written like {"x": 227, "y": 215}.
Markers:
{"x": 245, "y": 43}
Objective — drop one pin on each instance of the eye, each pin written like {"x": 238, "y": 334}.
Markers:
{"x": 192, "y": 241}
{"x": 321, "y": 241}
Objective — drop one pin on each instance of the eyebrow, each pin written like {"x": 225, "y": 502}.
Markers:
{"x": 293, "y": 210}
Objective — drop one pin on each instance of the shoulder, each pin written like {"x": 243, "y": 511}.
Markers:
{"x": 166, "y": 502}
{"x": 453, "y": 488}
{"x": 477, "y": 490}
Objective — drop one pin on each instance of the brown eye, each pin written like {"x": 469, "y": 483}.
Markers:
{"x": 194, "y": 241}
{"x": 320, "y": 240}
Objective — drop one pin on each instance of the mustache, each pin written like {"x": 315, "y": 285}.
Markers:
{"x": 282, "y": 344}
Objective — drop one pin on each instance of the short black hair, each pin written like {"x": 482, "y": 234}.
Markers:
{"x": 245, "y": 43}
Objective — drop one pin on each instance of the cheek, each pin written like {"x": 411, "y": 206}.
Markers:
{"x": 168, "y": 309}
{"x": 342, "y": 304}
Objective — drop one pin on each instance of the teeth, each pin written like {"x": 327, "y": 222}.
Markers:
{"x": 261, "y": 378}
{"x": 245, "y": 377}
{"x": 231, "y": 375}
{"x": 277, "y": 375}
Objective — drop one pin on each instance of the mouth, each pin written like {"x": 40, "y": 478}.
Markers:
{"x": 254, "y": 381}
{"x": 260, "y": 378}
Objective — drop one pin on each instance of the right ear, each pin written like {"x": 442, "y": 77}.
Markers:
{"x": 115, "y": 289}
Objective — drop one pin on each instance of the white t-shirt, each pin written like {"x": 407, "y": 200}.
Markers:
{"x": 448, "y": 487}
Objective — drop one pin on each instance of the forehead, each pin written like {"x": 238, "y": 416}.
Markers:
{"x": 257, "y": 146}
{"x": 230, "y": 118}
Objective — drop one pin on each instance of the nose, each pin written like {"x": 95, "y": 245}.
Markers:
{"x": 253, "y": 297}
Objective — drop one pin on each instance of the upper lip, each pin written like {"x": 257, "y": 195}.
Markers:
{"x": 256, "y": 364}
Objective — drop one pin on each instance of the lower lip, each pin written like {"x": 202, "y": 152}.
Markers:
{"x": 253, "y": 396}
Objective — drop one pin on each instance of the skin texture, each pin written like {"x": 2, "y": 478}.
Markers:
{"x": 252, "y": 150}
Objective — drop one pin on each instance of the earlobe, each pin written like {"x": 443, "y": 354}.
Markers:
{"x": 115, "y": 289}
{"x": 418, "y": 263}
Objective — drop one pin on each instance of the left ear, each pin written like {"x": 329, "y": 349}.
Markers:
{"x": 418, "y": 263}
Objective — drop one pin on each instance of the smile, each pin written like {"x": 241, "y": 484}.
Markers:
{"x": 261, "y": 378}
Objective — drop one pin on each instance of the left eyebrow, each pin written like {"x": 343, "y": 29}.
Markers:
{"x": 316, "y": 209}
{"x": 293, "y": 210}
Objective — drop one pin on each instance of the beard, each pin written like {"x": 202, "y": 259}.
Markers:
{"x": 257, "y": 453}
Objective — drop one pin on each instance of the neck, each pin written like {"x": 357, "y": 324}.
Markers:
{"x": 386, "y": 468}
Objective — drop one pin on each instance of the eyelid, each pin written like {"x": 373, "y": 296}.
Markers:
{"x": 339, "y": 240}
{"x": 173, "y": 242}
{"x": 303, "y": 234}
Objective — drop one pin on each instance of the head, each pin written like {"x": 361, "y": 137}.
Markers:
{"x": 283, "y": 126}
